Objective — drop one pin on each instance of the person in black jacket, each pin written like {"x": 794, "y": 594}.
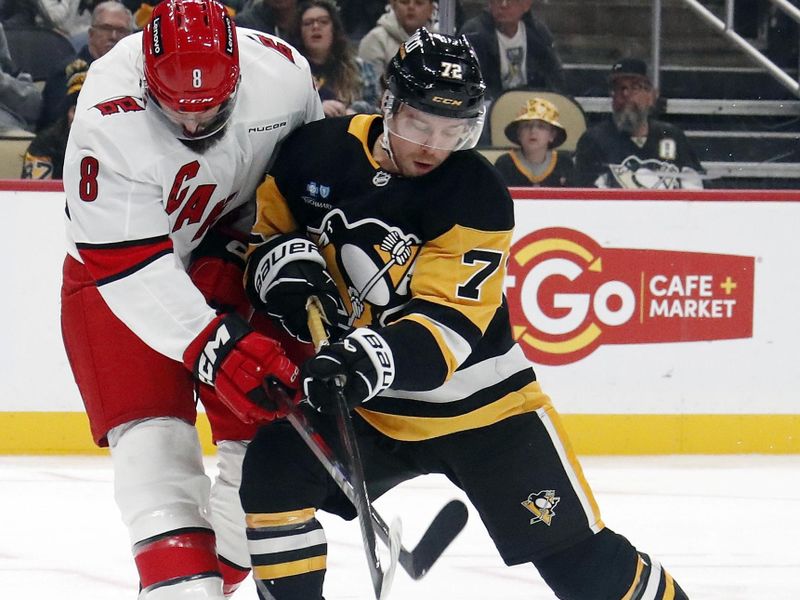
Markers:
{"x": 515, "y": 50}
{"x": 111, "y": 21}
{"x": 276, "y": 17}
{"x": 631, "y": 149}
{"x": 44, "y": 158}
{"x": 536, "y": 163}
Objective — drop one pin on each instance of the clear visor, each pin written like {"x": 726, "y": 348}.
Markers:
{"x": 433, "y": 131}
{"x": 195, "y": 125}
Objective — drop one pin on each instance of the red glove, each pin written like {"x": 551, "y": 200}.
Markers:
{"x": 220, "y": 282}
{"x": 233, "y": 358}
{"x": 217, "y": 270}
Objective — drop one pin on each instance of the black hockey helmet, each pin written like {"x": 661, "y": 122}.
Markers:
{"x": 437, "y": 73}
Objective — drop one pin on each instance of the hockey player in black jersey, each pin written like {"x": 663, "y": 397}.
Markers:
{"x": 403, "y": 231}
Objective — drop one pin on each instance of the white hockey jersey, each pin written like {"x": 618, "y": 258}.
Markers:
{"x": 139, "y": 200}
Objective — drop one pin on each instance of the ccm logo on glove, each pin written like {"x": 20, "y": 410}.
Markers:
{"x": 217, "y": 347}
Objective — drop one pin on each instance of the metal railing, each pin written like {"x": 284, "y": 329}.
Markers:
{"x": 725, "y": 27}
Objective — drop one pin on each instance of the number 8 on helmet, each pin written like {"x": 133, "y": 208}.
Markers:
{"x": 191, "y": 67}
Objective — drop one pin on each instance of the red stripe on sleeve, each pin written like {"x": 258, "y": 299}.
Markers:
{"x": 107, "y": 263}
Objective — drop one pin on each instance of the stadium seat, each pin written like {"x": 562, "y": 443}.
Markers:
{"x": 508, "y": 105}
{"x": 38, "y": 51}
{"x": 13, "y": 144}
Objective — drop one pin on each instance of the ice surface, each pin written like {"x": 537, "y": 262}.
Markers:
{"x": 727, "y": 528}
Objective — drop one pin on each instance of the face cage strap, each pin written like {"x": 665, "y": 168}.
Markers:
{"x": 224, "y": 114}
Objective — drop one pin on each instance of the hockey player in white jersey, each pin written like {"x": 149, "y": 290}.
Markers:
{"x": 173, "y": 131}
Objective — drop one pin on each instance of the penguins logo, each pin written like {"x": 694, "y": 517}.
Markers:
{"x": 542, "y": 505}
{"x": 653, "y": 174}
{"x": 374, "y": 262}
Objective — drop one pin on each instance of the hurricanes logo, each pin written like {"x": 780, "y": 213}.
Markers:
{"x": 373, "y": 262}
{"x": 567, "y": 295}
{"x": 542, "y": 505}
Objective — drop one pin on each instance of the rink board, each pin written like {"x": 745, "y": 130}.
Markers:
{"x": 659, "y": 322}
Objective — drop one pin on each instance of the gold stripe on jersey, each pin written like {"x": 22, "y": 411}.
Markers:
{"x": 292, "y": 517}
{"x": 551, "y": 419}
{"x": 289, "y": 569}
{"x": 359, "y": 127}
{"x": 273, "y": 214}
{"x": 520, "y": 164}
{"x": 450, "y": 358}
{"x": 669, "y": 590}
{"x": 636, "y": 578}
{"x": 441, "y": 269}
{"x": 414, "y": 429}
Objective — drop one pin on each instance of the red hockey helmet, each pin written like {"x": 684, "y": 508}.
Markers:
{"x": 191, "y": 58}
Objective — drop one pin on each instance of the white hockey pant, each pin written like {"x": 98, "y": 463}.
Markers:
{"x": 163, "y": 496}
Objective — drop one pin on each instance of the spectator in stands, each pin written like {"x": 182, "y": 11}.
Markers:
{"x": 278, "y": 17}
{"x": 359, "y": 16}
{"x": 393, "y": 28}
{"x": 20, "y": 99}
{"x": 142, "y": 10}
{"x": 111, "y": 21}
{"x": 631, "y": 149}
{"x": 70, "y": 17}
{"x": 536, "y": 163}
{"x": 66, "y": 16}
{"x": 515, "y": 50}
{"x": 44, "y": 158}
{"x": 342, "y": 79}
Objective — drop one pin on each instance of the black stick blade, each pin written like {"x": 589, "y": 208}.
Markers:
{"x": 446, "y": 526}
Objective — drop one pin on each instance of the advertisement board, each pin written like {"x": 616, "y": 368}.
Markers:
{"x": 657, "y": 322}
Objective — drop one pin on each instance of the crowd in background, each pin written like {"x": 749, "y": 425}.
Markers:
{"x": 348, "y": 44}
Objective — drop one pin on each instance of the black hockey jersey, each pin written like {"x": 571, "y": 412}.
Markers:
{"x": 422, "y": 260}
{"x": 607, "y": 157}
{"x": 558, "y": 173}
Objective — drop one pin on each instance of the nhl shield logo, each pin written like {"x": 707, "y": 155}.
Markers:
{"x": 542, "y": 505}
{"x": 381, "y": 178}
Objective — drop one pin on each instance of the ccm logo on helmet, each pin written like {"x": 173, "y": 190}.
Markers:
{"x": 158, "y": 47}
{"x": 447, "y": 101}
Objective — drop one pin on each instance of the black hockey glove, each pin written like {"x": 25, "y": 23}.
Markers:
{"x": 362, "y": 362}
{"x": 282, "y": 274}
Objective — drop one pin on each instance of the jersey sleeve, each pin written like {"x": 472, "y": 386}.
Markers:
{"x": 278, "y": 209}
{"x": 457, "y": 284}
{"x": 121, "y": 233}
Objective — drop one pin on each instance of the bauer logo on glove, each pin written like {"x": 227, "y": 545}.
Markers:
{"x": 364, "y": 363}
{"x": 282, "y": 274}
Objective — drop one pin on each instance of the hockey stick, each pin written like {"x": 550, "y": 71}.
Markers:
{"x": 381, "y": 577}
{"x": 444, "y": 528}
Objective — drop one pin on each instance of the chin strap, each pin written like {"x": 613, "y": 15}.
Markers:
{"x": 387, "y": 146}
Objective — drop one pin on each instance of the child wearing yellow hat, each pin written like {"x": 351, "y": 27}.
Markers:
{"x": 537, "y": 132}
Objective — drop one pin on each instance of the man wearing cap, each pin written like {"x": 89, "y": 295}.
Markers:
{"x": 631, "y": 149}
{"x": 536, "y": 163}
